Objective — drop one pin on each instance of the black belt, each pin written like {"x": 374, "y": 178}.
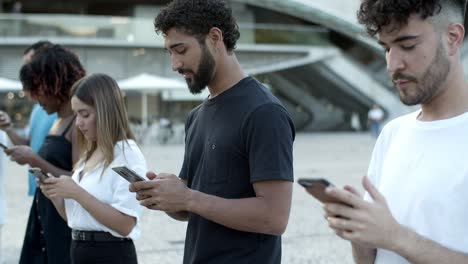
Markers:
{"x": 97, "y": 236}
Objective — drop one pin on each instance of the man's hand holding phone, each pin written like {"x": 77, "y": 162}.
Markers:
{"x": 370, "y": 224}
{"x": 128, "y": 174}
{"x": 316, "y": 187}
{"x": 321, "y": 189}
{"x": 165, "y": 192}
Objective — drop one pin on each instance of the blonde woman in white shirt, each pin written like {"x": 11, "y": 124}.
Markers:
{"x": 95, "y": 201}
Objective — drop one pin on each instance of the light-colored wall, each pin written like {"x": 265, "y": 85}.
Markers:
{"x": 133, "y": 103}
{"x": 142, "y": 29}
{"x": 345, "y": 9}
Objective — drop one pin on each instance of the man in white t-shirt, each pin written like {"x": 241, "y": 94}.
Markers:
{"x": 374, "y": 119}
{"x": 416, "y": 208}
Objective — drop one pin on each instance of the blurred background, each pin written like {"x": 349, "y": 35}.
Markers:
{"x": 312, "y": 54}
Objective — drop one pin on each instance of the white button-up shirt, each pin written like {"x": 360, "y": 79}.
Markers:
{"x": 110, "y": 188}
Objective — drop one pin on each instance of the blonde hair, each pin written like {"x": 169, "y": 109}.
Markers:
{"x": 103, "y": 93}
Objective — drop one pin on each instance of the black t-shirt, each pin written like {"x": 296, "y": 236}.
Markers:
{"x": 239, "y": 137}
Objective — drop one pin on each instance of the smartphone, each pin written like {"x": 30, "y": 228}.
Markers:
{"x": 3, "y": 146}
{"x": 128, "y": 174}
{"x": 316, "y": 187}
{"x": 38, "y": 173}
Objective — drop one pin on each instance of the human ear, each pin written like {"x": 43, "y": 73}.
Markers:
{"x": 455, "y": 36}
{"x": 215, "y": 36}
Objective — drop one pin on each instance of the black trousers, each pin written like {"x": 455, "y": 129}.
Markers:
{"x": 91, "y": 252}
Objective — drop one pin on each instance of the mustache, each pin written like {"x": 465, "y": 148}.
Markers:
{"x": 184, "y": 71}
{"x": 398, "y": 76}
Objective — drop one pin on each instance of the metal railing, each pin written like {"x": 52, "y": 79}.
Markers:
{"x": 141, "y": 30}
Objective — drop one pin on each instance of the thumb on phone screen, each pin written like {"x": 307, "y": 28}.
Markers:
{"x": 151, "y": 175}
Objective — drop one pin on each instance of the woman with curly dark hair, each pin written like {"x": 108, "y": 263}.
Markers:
{"x": 48, "y": 77}
{"x": 235, "y": 186}
{"x": 416, "y": 207}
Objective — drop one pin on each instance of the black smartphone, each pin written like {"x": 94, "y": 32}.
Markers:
{"x": 3, "y": 146}
{"x": 38, "y": 173}
{"x": 128, "y": 174}
{"x": 316, "y": 187}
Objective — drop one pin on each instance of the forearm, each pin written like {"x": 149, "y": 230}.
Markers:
{"x": 363, "y": 255}
{"x": 15, "y": 138}
{"x": 247, "y": 214}
{"x": 106, "y": 214}
{"x": 419, "y": 250}
{"x": 45, "y": 166}
{"x": 59, "y": 204}
{"x": 180, "y": 216}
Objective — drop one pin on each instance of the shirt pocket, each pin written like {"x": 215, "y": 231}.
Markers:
{"x": 217, "y": 163}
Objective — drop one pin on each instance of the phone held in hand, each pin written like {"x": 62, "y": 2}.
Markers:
{"x": 316, "y": 187}
{"x": 3, "y": 146}
{"x": 128, "y": 174}
{"x": 38, "y": 173}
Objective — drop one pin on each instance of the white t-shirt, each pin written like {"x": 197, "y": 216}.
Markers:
{"x": 375, "y": 114}
{"x": 421, "y": 168}
{"x": 2, "y": 175}
{"x": 109, "y": 188}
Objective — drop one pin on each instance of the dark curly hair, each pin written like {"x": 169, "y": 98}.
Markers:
{"x": 52, "y": 71}
{"x": 197, "y": 17}
{"x": 37, "y": 45}
{"x": 376, "y": 14}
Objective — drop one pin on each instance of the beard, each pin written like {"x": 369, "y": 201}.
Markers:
{"x": 430, "y": 84}
{"x": 204, "y": 74}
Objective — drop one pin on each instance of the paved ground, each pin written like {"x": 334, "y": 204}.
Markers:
{"x": 339, "y": 157}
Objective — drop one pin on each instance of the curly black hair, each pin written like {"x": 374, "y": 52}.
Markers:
{"x": 197, "y": 17}
{"x": 52, "y": 71}
{"x": 376, "y": 14}
{"x": 37, "y": 45}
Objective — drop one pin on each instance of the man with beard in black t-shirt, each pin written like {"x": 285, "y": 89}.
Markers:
{"x": 235, "y": 186}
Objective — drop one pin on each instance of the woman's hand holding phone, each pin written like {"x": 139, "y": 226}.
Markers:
{"x": 39, "y": 174}
{"x": 63, "y": 187}
{"x": 21, "y": 154}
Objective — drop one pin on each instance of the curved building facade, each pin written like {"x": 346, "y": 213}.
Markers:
{"x": 312, "y": 54}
